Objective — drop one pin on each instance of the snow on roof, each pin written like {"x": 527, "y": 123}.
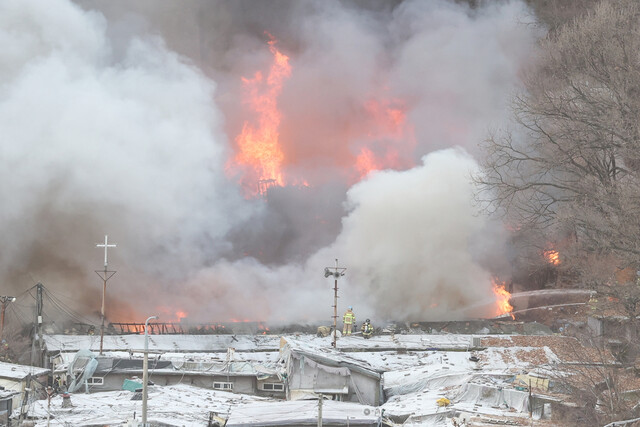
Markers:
{"x": 261, "y": 357}
{"x": 548, "y": 349}
{"x": 435, "y": 370}
{"x": 181, "y": 404}
{"x": 165, "y": 343}
{"x": 395, "y": 342}
{"x": 220, "y": 343}
{"x": 19, "y": 372}
{"x": 417, "y": 371}
{"x": 328, "y": 356}
{"x": 7, "y": 394}
{"x": 299, "y": 412}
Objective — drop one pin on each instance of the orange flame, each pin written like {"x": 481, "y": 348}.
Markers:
{"x": 389, "y": 130}
{"x": 502, "y": 299}
{"x": 170, "y": 314}
{"x": 552, "y": 256}
{"x": 259, "y": 148}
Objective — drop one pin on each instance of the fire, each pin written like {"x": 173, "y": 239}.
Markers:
{"x": 502, "y": 299}
{"x": 263, "y": 329}
{"x": 259, "y": 150}
{"x": 170, "y": 314}
{"x": 367, "y": 162}
{"x": 387, "y": 132}
{"x": 380, "y": 133}
{"x": 552, "y": 256}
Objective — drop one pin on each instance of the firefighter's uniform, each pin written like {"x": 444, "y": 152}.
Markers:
{"x": 348, "y": 320}
{"x": 367, "y": 329}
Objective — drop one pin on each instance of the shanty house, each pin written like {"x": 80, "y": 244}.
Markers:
{"x": 232, "y": 376}
{"x": 16, "y": 378}
{"x": 207, "y": 361}
{"x": 312, "y": 370}
{"x": 6, "y": 406}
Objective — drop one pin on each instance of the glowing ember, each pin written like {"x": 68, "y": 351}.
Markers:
{"x": 259, "y": 150}
{"x": 502, "y": 299}
{"x": 552, "y": 256}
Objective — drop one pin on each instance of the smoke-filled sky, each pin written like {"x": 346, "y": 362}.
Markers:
{"x": 122, "y": 118}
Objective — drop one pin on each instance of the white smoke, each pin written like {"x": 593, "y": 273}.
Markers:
{"x": 406, "y": 245}
{"x": 95, "y": 144}
{"x": 105, "y": 130}
{"x": 408, "y": 240}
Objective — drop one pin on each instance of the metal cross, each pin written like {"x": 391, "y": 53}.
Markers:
{"x": 106, "y": 246}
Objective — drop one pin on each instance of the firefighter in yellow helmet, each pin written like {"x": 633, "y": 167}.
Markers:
{"x": 348, "y": 320}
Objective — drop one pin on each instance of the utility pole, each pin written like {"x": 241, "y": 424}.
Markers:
{"x": 320, "y": 399}
{"x": 39, "y": 288}
{"x": 37, "y": 329}
{"x": 104, "y": 275}
{"x": 145, "y": 371}
{"x": 4, "y": 300}
{"x": 336, "y": 273}
{"x": 24, "y": 409}
{"x": 530, "y": 401}
{"x": 49, "y": 393}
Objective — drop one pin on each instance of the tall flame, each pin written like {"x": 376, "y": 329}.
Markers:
{"x": 502, "y": 299}
{"x": 258, "y": 144}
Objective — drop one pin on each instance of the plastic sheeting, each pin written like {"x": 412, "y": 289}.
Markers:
{"x": 437, "y": 381}
{"x": 494, "y": 396}
{"x": 87, "y": 372}
{"x": 343, "y": 372}
{"x": 305, "y": 412}
{"x": 431, "y": 420}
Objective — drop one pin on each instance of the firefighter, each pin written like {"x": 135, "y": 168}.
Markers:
{"x": 367, "y": 329}
{"x": 348, "y": 320}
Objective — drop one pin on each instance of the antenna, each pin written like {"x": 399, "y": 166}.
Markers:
{"x": 104, "y": 275}
{"x": 336, "y": 273}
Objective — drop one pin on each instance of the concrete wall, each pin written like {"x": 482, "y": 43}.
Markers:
{"x": 19, "y": 386}
{"x": 14, "y": 385}
{"x": 114, "y": 381}
{"x": 278, "y": 394}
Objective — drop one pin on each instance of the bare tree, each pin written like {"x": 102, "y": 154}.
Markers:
{"x": 568, "y": 170}
{"x": 554, "y": 13}
{"x": 571, "y": 163}
{"x": 601, "y": 387}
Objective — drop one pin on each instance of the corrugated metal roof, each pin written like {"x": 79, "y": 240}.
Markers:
{"x": 165, "y": 343}
{"x": 20, "y": 372}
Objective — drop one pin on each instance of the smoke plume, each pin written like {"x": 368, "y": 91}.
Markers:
{"x": 121, "y": 119}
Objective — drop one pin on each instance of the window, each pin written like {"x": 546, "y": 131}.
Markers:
{"x": 222, "y": 386}
{"x": 95, "y": 381}
{"x": 273, "y": 386}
